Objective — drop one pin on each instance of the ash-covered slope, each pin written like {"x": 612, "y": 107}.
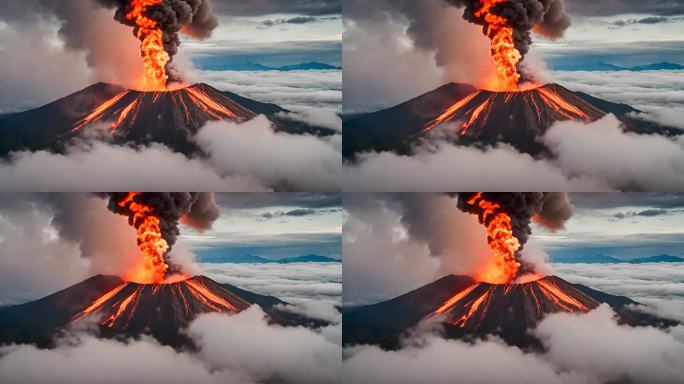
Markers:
{"x": 170, "y": 118}
{"x": 482, "y": 117}
{"x": 119, "y": 307}
{"x": 470, "y": 309}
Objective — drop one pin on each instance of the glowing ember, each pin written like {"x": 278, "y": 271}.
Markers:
{"x": 503, "y": 244}
{"x": 152, "y": 245}
{"x": 155, "y": 57}
{"x": 506, "y": 56}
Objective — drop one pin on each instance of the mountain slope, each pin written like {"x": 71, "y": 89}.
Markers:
{"x": 469, "y": 309}
{"x": 483, "y": 117}
{"x": 118, "y": 307}
{"x": 127, "y": 116}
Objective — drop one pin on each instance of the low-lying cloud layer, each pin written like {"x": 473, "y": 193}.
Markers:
{"x": 250, "y": 156}
{"x": 580, "y": 349}
{"x": 241, "y": 348}
{"x": 586, "y": 157}
{"x": 659, "y": 286}
{"x": 314, "y": 289}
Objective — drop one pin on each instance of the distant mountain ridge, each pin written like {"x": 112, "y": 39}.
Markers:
{"x": 614, "y": 68}
{"x": 251, "y": 259}
{"x": 603, "y": 259}
{"x": 250, "y": 66}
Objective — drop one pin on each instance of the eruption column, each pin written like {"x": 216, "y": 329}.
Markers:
{"x": 506, "y": 56}
{"x": 501, "y": 240}
{"x": 154, "y": 55}
{"x": 152, "y": 245}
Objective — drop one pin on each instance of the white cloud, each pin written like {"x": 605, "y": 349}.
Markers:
{"x": 294, "y": 283}
{"x": 598, "y": 156}
{"x": 586, "y": 348}
{"x": 278, "y": 159}
{"x": 240, "y": 349}
{"x": 246, "y": 157}
{"x": 659, "y": 286}
{"x": 314, "y": 97}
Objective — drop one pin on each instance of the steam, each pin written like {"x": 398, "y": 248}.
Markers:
{"x": 196, "y": 209}
{"x": 193, "y": 17}
{"x": 546, "y": 17}
{"x": 550, "y": 210}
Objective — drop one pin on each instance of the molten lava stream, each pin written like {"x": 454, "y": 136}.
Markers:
{"x": 152, "y": 245}
{"x": 501, "y": 241}
{"x": 155, "y": 57}
{"x": 506, "y": 56}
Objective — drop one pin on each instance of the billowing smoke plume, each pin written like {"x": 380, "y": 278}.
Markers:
{"x": 546, "y": 17}
{"x": 168, "y": 209}
{"x": 197, "y": 209}
{"x": 550, "y": 210}
{"x": 193, "y": 17}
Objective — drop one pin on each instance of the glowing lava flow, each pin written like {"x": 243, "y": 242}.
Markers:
{"x": 495, "y": 302}
{"x": 132, "y": 304}
{"x": 506, "y": 56}
{"x": 152, "y": 245}
{"x": 155, "y": 57}
{"x": 501, "y": 241}
{"x": 535, "y": 108}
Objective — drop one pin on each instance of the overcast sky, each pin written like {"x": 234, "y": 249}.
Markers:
{"x": 272, "y": 32}
{"x": 271, "y": 225}
{"x": 622, "y": 32}
{"x": 623, "y": 225}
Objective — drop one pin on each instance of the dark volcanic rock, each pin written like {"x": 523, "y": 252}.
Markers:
{"x": 468, "y": 310}
{"x": 130, "y": 309}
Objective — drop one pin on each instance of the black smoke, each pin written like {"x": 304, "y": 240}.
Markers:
{"x": 546, "y": 17}
{"x": 193, "y": 17}
{"x": 197, "y": 209}
{"x": 549, "y": 209}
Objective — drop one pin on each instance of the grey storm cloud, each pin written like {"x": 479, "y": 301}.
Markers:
{"x": 300, "y": 212}
{"x": 645, "y": 20}
{"x": 655, "y": 200}
{"x": 294, "y": 20}
{"x": 644, "y": 213}
{"x": 265, "y": 200}
{"x": 620, "y": 7}
{"x": 269, "y": 7}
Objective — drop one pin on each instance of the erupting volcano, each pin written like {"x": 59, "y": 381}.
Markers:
{"x": 470, "y": 116}
{"x": 469, "y": 309}
{"x": 120, "y": 307}
{"x": 126, "y": 116}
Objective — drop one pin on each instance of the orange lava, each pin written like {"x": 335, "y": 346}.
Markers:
{"x": 506, "y": 56}
{"x": 501, "y": 241}
{"x": 155, "y": 58}
{"x": 152, "y": 245}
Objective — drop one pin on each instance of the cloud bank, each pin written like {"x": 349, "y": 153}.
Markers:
{"x": 579, "y": 349}
{"x": 239, "y": 157}
{"x": 585, "y": 157}
{"x": 241, "y": 348}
